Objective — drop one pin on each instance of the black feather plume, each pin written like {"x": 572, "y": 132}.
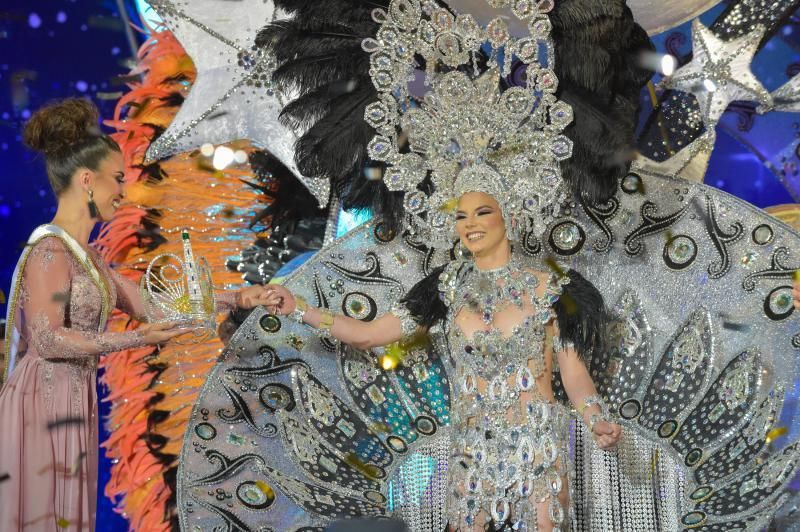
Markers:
{"x": 582, "y": 316}
{"x": 597, "y": 48}
{"x": 424, "y": 301}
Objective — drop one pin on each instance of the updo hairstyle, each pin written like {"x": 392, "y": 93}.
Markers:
{"x": 68, "y": 135}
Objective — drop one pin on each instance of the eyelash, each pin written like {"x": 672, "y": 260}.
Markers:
{"x": 120, "y": 180}
{"x": 480, "y": 213}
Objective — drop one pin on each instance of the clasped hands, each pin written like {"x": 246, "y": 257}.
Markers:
{"x": 276, "y": 298}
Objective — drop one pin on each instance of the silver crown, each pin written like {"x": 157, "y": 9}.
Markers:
{"x": 180, "y": 289}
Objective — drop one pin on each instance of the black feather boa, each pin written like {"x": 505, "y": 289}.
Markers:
{"x": 580, "y": 311}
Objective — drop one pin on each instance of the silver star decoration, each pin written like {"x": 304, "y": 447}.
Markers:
{"x": 690, "y": 163}
{"x": 232, "y": 97}
{"x": 785, "y": 98}
{"x": 719, "y": 72}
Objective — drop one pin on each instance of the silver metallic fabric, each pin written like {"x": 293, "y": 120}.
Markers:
{"x": 291, "y": 432}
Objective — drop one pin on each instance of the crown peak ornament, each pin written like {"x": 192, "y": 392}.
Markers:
{"x": 180, "y": 289}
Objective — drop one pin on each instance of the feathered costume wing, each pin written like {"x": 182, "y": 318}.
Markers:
{"x": 291, "y": 432}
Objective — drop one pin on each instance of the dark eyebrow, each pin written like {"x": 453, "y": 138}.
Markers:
{"x": 120, "y": 173}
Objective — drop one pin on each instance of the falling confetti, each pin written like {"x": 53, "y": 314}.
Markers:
{"x": 775, "y": 433}
{"x": 358, "y": 464}
{"x": 77, "y": 465}
{"x": 60, "y": 297}
{"x": 60, "y": 422}
{"x": 4, "y": 477}
{"x": 62, "y": 523}
{"x": 553, "y": 265}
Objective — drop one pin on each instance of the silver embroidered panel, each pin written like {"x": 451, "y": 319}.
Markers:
{"x": 706, "y": 344}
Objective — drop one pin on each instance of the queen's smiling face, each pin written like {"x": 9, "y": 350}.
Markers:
{"x": 479, "y": 223}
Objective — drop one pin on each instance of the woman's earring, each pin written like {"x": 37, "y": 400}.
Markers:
{"x": 93, "y": 212}
{"x": 460, "y": 251}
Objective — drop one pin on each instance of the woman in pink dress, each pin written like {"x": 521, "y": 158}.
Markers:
{"x": 62, "y": 295}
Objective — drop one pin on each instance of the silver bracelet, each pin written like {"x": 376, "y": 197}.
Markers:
{"x": 560, "y": 345}
{"x": 595, "y": 400}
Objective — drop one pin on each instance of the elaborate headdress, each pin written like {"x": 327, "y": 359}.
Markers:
{"x": 466, "y": 133}
{"x": 439, "y": 104}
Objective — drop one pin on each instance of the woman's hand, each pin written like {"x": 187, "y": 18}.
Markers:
{"x": 159, "y": 333}
{"x": 252, "y": 296}
{"x": 280, "y": 300}
{"x": 606, "y": 434}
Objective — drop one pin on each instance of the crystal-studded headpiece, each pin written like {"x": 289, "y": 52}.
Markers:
{"x": 470, "y": 131}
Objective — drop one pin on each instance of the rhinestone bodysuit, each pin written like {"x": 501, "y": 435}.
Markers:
{"x": 508, "y": 449}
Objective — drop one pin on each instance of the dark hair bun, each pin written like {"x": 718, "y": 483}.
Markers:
{"x": 60, "y": 125}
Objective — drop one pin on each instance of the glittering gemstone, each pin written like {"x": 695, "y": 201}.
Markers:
{"x": 562, "y": 148}
{"x": 454, "y": 148}
{"x": 540, "y": 28}
{"x": 566, "y": 235}
{"x": 524, "y": 379}
{"x": 668, "y": 428}
{"x": 346, "y": 427}
{"x": 693, "y": 457}
{"x": 498, "y": 32}
{"x": 631, "y": 183}
{"x": 762, "y": 234}
{"x": 693, "y": 518}
{"x": 375, "y": 395}
{"x": 501, "y": 510}
{"x": 701, "y": 493}
{"x": 469, "y": 384}
{"x": 717, "y": 412}
{"x": 474, "y": 484}
{"x": 206, "y": 431}
{"x": 420, "y": 371}
{"x": 235, "y": 439}
{"x": 328, "y": 464}
{"x": 479, "y": 454}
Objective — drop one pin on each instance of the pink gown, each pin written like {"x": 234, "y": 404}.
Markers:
{"x": 48, "y": 406}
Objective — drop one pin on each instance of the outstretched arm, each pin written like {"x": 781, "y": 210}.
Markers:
{"x": 384, "y": 330}
{"x": 581, "y": 389}
{"x": 129, "y": 297}
{"x": 47, "y": 282}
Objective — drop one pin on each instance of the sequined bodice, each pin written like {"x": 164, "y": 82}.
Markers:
{"x": 489, "y": 353}
{"x": 509, "y": 442}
